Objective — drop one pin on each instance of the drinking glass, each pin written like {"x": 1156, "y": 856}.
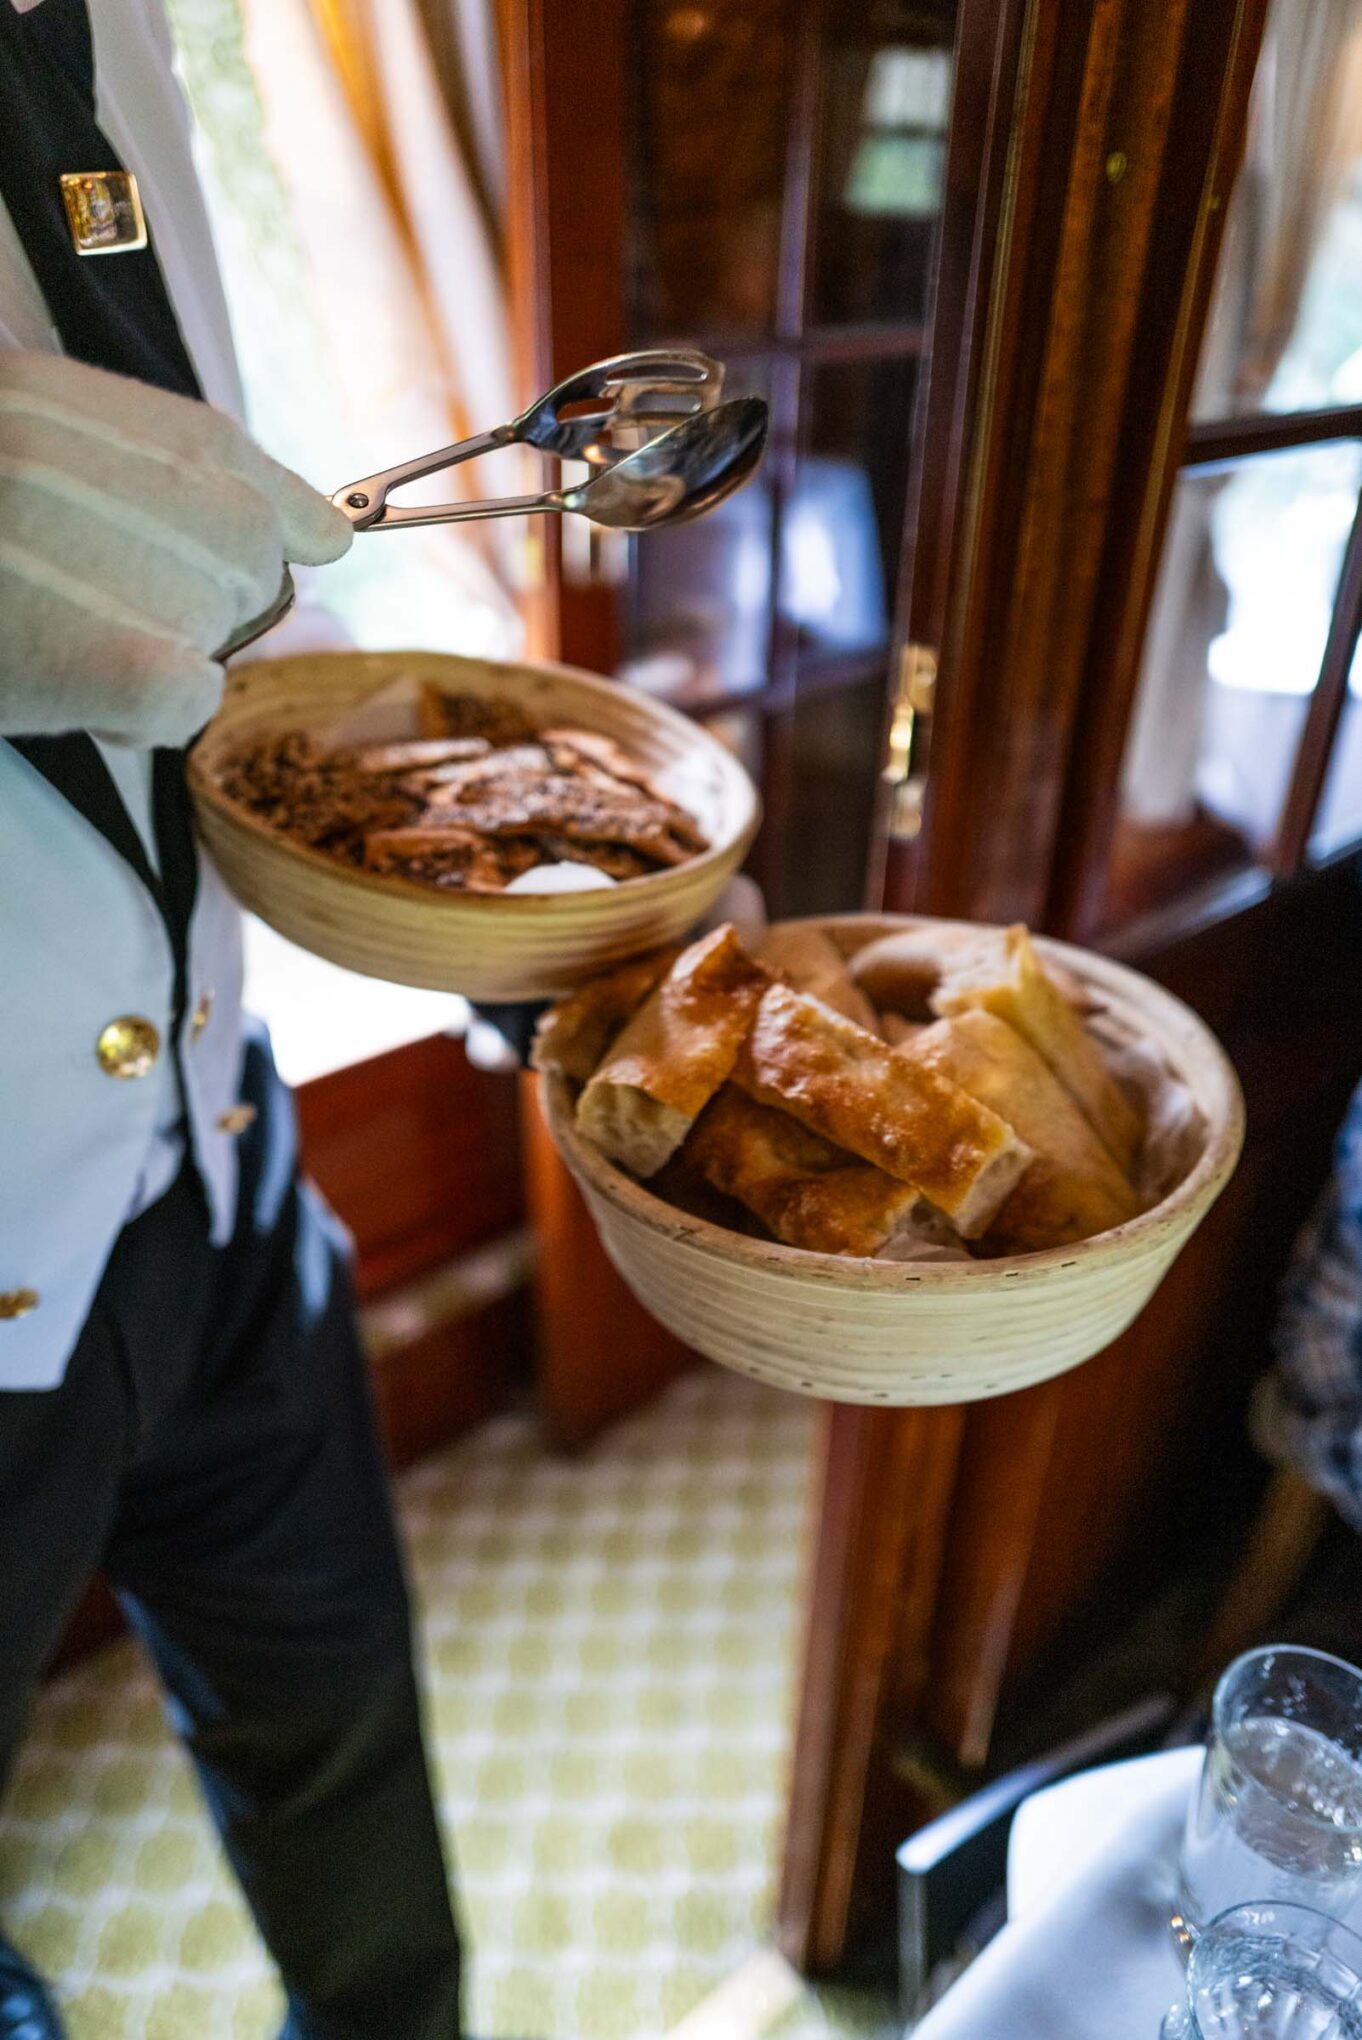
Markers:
{"x": 1278, "y": 1814}
{"x": 1268, "y": 1971}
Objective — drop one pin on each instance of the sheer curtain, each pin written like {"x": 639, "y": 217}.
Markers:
{"x": 1305, "y": 137}
{"x": 359, "y": 252}
{"x": 363, "y": 279}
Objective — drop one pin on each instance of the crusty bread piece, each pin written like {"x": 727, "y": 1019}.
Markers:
{"x": 899, "y": 973}
{"x": 924, "y": 1235}
{"x": 669, "y": 1061}
{"x": 904, "y": 1117}
{"x": 1073, "y": 1187}
{"x": 679, "y": 1184}
{"x": 810, "y": 1193}
{"x": 574, "y": 1034}
{"x": 811, "y": 961}
{"x": 1006, "y": 977}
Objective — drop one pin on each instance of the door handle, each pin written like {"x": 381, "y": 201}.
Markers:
{"x": 903, "y": 776}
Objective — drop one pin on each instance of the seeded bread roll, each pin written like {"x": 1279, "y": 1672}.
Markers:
{"x": 674, "y": 1054}
{"x": 904, "y": 1117}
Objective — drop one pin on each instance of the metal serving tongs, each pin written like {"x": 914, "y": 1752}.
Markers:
{"x": 659, "y": 447}
{"x": 597, "y": 415}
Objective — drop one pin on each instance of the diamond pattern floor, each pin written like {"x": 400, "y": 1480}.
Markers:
{"x": 610, "y": 1643}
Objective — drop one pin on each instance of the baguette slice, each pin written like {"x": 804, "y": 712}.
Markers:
{"x": 808, "y": 1192}
{"x": 672, "y": 1057}
{"x": 811, "y": 961}
{"x": 1006, "y": 977}
{"x": 904, "y": 1117}
{"x": 1073, "y": 1189}
{"x": 574, "y": 1034}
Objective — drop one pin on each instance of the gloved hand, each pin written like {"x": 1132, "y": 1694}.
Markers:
{"x": 138, "y": 530}
{"x": 499, "y": 1038}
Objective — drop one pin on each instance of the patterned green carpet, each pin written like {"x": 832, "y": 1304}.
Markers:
{"x": 610, "y": 1643}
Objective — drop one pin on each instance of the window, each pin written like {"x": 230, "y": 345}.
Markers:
{"x": 1243, "y": 750}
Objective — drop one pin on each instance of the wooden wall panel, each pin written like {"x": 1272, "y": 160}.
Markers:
{"x": 418, "y": 1152}
{"x": 598, "y": 1352}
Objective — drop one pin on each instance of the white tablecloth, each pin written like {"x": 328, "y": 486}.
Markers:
{"x": 1086, "y": 1953}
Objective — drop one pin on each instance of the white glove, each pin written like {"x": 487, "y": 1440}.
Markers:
{"x": 138, "y": 530}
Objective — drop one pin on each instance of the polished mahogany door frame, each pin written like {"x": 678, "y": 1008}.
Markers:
{"x": 1092, "y": 146}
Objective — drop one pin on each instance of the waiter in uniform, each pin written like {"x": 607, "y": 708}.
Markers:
{"x": 183, "y": 1400}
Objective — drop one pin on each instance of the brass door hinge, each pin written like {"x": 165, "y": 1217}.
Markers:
{"x": 914, "y": 697}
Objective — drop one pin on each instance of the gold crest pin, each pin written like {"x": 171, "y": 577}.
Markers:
{"x": 104, "y": 211}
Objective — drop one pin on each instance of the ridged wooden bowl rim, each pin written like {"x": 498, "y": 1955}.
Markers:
{"x": 263, "y": 679}
{"x": 1176, "y": 1030}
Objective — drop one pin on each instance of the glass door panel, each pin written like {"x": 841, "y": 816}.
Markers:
{"x": 1286, "y": 326}
{"x": 844, "y": 518}
{"x": 881, "y": 159}
{"x": 1236, "y": 636}
{"x": 711, "y": 144}
{"x": 786, "y": 163}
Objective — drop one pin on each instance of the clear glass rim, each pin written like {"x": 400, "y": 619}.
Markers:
{"x": 1338, "y": 1933}
{"x": 1218, "y": 1703}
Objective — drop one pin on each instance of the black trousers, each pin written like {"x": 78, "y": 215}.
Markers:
{"x": 212, "y": 1447}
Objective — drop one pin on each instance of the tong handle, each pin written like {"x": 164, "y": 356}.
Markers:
{"x": 365, "y": 502}
{"x": 635, "y": 389}
{"x": 397, "y": 516}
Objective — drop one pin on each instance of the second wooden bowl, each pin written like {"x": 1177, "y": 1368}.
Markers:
{"x": 875, "y": 1332}
{"x": 491, "y": 947}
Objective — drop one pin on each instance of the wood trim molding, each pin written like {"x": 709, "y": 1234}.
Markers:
{"x": 1214, "y": 441}
{"x": 1092, "y": 342}
{"x": 1221, "y": 42}
{"x": 1315, "y": 749}
{"x": 883, "y": 1506}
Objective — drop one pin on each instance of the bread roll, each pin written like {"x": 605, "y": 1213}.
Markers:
{"x": 1007, "y": 978}
{"x": 903, "y": 1116}
{"x": 808, "y": 1192}
{"x": 811, "y": 961}
{"x": 1073, "y": 1187}
{"x": 673, "y": 1055}
{"x": 574, "y": 1034}
{"x": 898, "y": 973}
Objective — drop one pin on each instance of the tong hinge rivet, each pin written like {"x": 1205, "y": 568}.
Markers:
{"x": 358, "y": 500}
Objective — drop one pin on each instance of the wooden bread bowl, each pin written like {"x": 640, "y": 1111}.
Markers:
{"x": 866, "y": 1331}
{"x": 489, "y": 947}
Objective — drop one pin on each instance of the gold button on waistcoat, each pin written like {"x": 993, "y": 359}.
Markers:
{"x": 236, "y": 1119}
{"x": 128, "y": 1046}
{"x": 201, "y": 1015}
{"x": 17, "y": 1303}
